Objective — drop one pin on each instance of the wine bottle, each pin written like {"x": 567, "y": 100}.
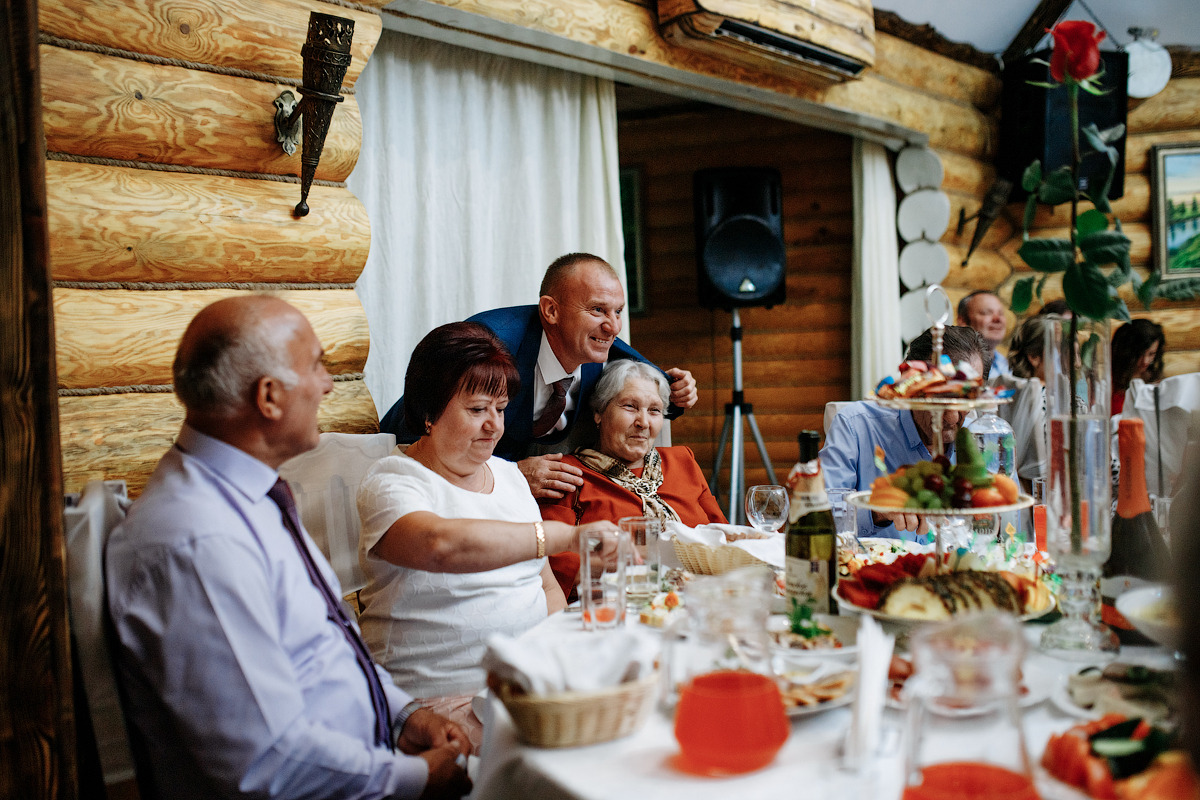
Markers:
{"x": 811, "y": 564}
{"x": 1139, "y": 552}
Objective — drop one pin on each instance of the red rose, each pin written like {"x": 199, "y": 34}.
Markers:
{"x": 1076, "y": 51}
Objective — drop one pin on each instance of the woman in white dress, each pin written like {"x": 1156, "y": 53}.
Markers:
{"x": 453, "y": 544}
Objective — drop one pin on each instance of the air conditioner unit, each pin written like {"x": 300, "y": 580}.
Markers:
{"x": 827, "y": 42}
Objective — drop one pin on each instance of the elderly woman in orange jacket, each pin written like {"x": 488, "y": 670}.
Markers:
{"x": 625, "y": 474}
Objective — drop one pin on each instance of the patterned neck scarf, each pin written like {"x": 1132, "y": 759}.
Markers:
{"x": 645, "y": 487}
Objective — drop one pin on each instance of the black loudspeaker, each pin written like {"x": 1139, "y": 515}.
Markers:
{"x": 740, "y": 255}
{"x": 1035, "y": 122}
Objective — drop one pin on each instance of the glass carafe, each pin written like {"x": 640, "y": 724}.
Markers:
{"x": 964, "y": 735}
{"x": 729, "y": 714}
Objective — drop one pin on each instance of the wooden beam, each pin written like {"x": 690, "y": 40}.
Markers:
{"x": 1044, "y": 16}
{"x": 37, "y": 741}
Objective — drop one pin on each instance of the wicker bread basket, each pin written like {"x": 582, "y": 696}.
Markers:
{"x": 704, "y": 560}
{"x": 572, "y": 719}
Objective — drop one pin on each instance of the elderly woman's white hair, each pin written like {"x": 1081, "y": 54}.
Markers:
{"x": 616, "y": 373}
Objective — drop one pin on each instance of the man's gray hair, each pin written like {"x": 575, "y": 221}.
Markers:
{"x": 616, "y": 373}
{"x": 221, "y": 372}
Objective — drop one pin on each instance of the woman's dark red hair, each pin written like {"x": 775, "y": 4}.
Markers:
{"x": 458, "y": 356}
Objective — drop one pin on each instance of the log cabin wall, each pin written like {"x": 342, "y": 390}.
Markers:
{"x": 796, "y": 357}
{"x": 166, "y": 191}
{"x": 1170, "y": 117}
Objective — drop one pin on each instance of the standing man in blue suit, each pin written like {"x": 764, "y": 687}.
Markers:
{"x": 569, "y": 334}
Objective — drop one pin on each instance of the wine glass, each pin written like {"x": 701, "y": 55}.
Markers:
{"x": 767, "y": 507}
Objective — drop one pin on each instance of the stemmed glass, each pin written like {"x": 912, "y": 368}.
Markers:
{"x": 767, "y": 507}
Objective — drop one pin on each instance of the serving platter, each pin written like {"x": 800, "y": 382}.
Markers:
{"x": 937, "y": 403}
{"x": 910, "y": 622}
{"x": 862, "y": 500}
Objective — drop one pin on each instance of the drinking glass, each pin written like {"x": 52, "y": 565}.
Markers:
{"x": 963, "y": 732}
{"x": 602, "y": 579}
{"x": 767, "y": 507}
{"x": 642, "y": 579}
{"x": 1161, "y": 506}
{"x": 845, "y": 519}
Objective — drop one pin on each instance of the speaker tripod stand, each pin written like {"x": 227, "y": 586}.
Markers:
{"x": 731, "y": 433}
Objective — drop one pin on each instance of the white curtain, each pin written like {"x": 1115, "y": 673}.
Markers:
{"x": 875, "y": 294}
{"x": 477, "y": 171}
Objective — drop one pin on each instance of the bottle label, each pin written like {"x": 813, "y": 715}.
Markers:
{"x": 808, "y": 582}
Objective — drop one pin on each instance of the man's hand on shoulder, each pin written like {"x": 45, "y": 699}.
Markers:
{"x": 549, "y": 477}
{"x": 683, "y": 388}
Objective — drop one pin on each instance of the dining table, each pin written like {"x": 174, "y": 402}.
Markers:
{"x": 646, "y": 763}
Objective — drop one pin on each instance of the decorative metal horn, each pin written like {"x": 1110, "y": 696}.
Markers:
{"x": 326, "y": 59}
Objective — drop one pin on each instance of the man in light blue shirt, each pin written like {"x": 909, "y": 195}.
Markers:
{"x": 242, "y": 676}
{"x": 848, "y": 458}
{"x": 984, "y": 311}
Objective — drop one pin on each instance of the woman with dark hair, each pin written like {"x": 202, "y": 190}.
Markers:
{"x": 1027, "y": 349}
{"x": 452, "y": 542}
{"x": 1027, "y": 411}
{"x": 1137, "y": 352}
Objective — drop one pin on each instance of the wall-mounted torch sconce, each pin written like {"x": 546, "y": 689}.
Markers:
{"x": 993, "y": 203}
{"x": 326, "y": 59}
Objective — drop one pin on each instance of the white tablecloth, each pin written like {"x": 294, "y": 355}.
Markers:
{"x": 642, "y": 765}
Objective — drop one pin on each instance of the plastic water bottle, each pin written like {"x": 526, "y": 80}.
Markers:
{"x": 996, "y": 442}
{"x": 998, "y": 446}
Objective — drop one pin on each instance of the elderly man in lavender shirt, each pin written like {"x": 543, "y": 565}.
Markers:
{"x": 242, "y": 673}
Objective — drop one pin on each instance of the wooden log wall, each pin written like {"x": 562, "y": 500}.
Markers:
{"x": 167, "y": 191}
{"x": 37, "y": 743}
{"x": 796, "y": 357}
{"x": 1170, "y": 117}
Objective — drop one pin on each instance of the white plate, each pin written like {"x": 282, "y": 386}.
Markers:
{"x": 844, "y": 628}
{"x": 1060, "y": 697}
{"x": 808, "y": 711}
{"x": 1137, "y": 606}
{"x": 1036, "y": 680}
{"x": 825, "y": 670}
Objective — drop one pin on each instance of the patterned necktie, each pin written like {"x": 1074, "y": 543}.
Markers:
{"x": 281, "y": 493}
{"x": 554, "y": 409}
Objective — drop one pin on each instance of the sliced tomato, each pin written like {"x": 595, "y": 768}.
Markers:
{"x": 1098, "y": 779}
{"x": 858, "y": 594}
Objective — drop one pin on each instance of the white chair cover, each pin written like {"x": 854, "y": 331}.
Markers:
{"x": 88, "y": 519}
{"x": 1027, "y": 416}
{"x": 325, "y": 481}
{"x": 1178, "y": 400}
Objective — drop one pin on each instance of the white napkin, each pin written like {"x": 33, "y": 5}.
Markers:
{"x": 769, "y": 549}
{"x": 870, "y": 692}
{"x": 552, "y": 660}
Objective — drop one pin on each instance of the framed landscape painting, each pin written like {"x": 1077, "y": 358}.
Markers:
{"x": 1175, "y": 179}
